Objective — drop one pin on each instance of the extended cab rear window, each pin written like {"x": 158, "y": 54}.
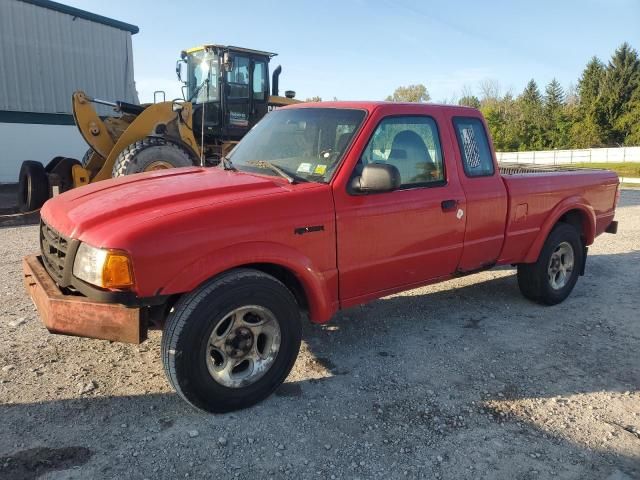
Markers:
{"x": 474, "y": 147}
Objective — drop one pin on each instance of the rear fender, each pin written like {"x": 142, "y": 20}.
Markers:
{"x": 588, "y": 218}
{"x": 320, "y": 288}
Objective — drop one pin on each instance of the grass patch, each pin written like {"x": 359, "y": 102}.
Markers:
{"x": 623, "y": 169}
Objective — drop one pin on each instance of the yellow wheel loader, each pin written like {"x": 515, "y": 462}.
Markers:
{"x": 226, "y": 90}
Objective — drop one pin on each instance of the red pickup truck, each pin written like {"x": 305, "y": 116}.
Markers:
{"x": 320, "y": 207}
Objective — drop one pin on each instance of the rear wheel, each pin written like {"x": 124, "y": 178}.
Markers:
{"x": 33, "y": 186}
{"x": 150, "y": 154}
{"x": 232, "y": 342}
{"x": 551, "y": 279}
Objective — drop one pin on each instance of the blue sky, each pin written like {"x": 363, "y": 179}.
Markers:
{"x": 362, "y": 50}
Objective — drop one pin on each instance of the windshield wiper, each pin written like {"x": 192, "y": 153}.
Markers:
{"x": 291, "y": 177}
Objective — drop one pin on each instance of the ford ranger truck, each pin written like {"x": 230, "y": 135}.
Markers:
{"x": 319, "y": 208}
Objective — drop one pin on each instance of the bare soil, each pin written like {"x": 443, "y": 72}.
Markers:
{"x": 464, "y": 379}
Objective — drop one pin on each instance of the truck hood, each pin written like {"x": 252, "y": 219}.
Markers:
{"x": 146, "y": 196}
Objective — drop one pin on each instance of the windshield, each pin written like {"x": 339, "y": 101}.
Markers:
{"x": 203, "y": 65}
{"x": 306, "y": 143}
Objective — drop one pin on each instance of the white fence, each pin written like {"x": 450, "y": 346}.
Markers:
{"x": 559, "y": 157}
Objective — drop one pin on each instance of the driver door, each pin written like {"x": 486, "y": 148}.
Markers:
{"x": 396, "y": 240}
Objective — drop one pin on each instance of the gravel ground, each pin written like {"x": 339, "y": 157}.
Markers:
{"x": 464, "y": 379}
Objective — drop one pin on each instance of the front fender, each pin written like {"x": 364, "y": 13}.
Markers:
{"x": 321, "y": 288}
{"x": 571, "y": 203}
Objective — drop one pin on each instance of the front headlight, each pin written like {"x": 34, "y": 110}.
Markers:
{"x": 104, "y": 268}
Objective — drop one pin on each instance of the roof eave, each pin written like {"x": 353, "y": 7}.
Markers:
{"x": 76, "y": 12}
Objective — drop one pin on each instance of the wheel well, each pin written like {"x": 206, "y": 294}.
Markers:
{"x": 287, "y": 277}
{"x": 158, "y": 314}
{"x": 576, "y": 219}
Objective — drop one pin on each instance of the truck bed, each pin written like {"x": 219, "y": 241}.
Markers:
{"x": 535, "y": 192}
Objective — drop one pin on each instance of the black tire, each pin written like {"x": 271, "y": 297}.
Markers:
{"x": 185, "y": 341}
{"x": 53, "y": 163}
{"x": 33, "y": 186}
{"x": 142, "y": 155}
{"x": 534, "y": 278}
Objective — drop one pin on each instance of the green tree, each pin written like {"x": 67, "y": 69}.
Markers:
{"x": 588, "y": 121}
{"x": 501, "y": 115}
{"x": 556, "y": 122}
{"x": 602, "y": 109}
{"x": 469, "y": 101}
{"x": 553, "y": 97}
{"x": 314, "y": 99}
{"x": 629, "y": 122}
{"x": 411, "y": 93}
{"x": 529, "y": 119}
{"x": 621, "y": 79}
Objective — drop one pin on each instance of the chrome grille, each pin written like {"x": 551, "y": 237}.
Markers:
{"x": 53, "y": 247}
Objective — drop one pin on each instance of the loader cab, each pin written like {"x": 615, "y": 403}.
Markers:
{"x": 230, "y": 84}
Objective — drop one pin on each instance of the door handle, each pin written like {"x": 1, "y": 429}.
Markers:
{"x": 449, "y": 205}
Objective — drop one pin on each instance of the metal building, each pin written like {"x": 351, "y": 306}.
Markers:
{"x": 47, "y": 51}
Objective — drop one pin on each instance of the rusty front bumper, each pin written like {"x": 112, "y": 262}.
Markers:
{"x": 78, "y": 315}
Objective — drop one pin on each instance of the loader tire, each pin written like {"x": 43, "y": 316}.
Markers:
{"x": 33, "y": 186}
{"x": 150, "y": 154}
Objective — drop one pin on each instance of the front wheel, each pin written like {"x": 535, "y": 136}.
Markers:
{"x": 149, "y": 154}
{"x": 232, "y": 342}
{"x": 551, "y": 279}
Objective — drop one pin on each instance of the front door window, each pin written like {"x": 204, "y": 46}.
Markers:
{"x": 238, "y": 78}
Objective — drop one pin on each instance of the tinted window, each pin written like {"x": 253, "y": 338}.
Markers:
{"x": 238, "y": 78}
{"x": 411, "y": 144}
{"x": 259, "y": 83}
{"x": 474, "y": 147}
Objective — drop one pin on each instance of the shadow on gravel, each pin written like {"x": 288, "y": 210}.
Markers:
{"x": 33, "y": 462}
{"x": 420, "y": 367}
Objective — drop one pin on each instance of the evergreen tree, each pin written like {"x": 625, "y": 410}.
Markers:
{"x": 530, "y": 124}
{"x": 629, "y": 122}
{"x": 531, "y": 94}
{"x": 469, "y": 101}
{"x": 621, "y": 79}
{"x": 588, "y": 121}
{"x": 556, "y": 123}
{"x": 554, "y": 97}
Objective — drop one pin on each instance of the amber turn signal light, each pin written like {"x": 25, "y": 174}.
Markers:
{"x": 117, "y": 271}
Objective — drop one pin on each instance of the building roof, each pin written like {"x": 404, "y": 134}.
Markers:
{"x": 76, "y": 12}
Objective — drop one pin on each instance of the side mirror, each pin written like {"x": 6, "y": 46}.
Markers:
{"x": 376, "y": 178}
{"x": 179, "y": 65}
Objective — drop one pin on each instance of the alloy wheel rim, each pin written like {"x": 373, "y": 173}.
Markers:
{"x": 243, "y": 346}
{"x": 560, "y": 266}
